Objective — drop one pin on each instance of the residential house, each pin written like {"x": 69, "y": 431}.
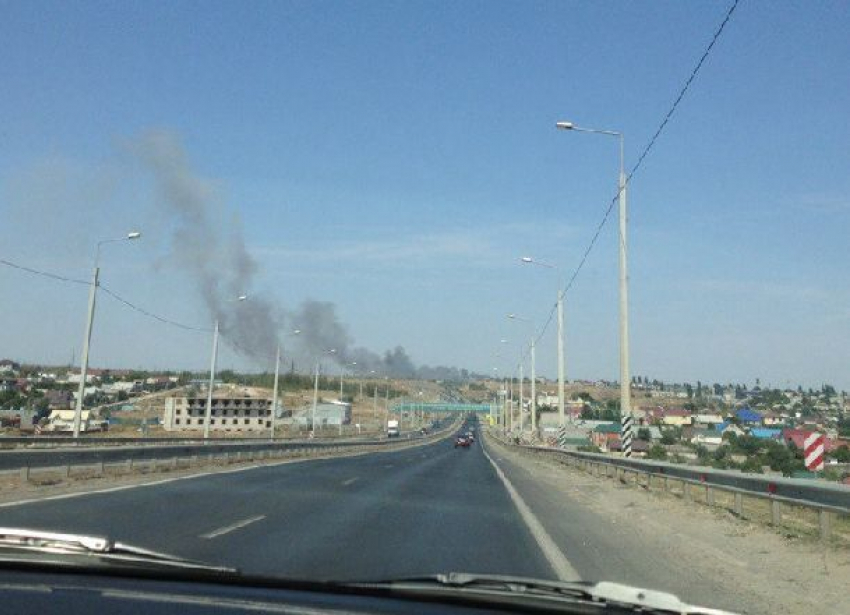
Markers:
{"x": 638, "y": 446}
{"x": 766, "y": 433}
{"x": 708, "y": 418}
{"x": 604, "y": 435}
{"x": 797, "y": 437}
{"x": 727, "y": 428}
{"x": 9, "y": 367}
{"x": 58, "y": 398}
{"x": 748, "y": 416}
{"x": 773, "y": 419}
{"x": 678, "y": 417}
{"x": 707, "y": 437}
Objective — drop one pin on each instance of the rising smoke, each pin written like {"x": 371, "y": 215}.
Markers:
{"x": 217, "y": 261}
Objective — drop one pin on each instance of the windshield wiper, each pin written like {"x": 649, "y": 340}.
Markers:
{"x": 603, "y": 593}
{"x": 37, "y": 541}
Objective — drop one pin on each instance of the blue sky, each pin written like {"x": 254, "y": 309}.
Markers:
{"x": 398, "y": 158}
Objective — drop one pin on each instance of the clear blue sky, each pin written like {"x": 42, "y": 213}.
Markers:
{"x": 398, "y": 158}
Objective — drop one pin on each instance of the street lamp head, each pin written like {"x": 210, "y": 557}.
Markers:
{"x": 134, "y": 235}
{"x": 241, "y": 297}
{"x": 512, "y": 316}
{"x": 564, "y": 125}
{"x": 296, "y": 332}
{"x": 527, "y": 259}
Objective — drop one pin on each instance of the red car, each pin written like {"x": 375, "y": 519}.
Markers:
{"x": 462, "y": 441}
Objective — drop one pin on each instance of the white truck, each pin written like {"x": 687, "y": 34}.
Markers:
{"x": 392, "y": 429}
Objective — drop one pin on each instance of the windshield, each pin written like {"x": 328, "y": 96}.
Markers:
{"x": 362, "y": 291}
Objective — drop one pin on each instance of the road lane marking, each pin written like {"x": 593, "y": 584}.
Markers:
{"x": 350, "y": 480}
{"x": 557, "y": 560}
{"x": 229, "y": 528}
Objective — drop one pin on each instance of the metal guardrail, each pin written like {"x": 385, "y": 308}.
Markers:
{"x": 13, "y": 461}
{"x": 827, "y": 500}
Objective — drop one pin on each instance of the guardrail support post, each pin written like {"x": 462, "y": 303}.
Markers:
{"x": 25, "y": 474}
{"x": 775, "y": 512}
{"x": 666, "y": 484}
{"x": 825, "y": 523}
{"x": 100, "y": 469}
{"x": 686, "y": 491}
{"x": 739, "y": 504}
{"x": 709, "y": 495}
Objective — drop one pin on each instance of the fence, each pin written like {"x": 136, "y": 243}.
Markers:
{"x": 780, "y": 495}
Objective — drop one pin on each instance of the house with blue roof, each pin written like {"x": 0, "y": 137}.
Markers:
{"x": 748, "y": 416}
{"x": 766, "y": 433}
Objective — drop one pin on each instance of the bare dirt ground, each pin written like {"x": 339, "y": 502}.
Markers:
{"x": 755, "y": 568}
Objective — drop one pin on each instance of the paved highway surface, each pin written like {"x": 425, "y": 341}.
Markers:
{"x": 422, "y": 510}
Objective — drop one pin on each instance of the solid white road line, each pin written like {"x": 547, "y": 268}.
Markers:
{"x": 557, "y": 560}
{"x": 350, "y": 480}
{"x": 229, "y": 528}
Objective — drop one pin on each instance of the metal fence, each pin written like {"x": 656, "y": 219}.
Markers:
{"x": 780, "y": 495}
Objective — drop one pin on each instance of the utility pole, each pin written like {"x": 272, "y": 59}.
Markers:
{"x": 533, "y": 392}
{"x": 274, "y": 393}
{"x": 521, "y": 400}
{"x": 208, "y": 414}
{"x": 315, "y": 400}
{"x": 561, "y": 366}
{"x": 81, "y": 390}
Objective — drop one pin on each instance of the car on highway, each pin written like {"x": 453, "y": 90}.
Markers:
{"x": 462, "y": 441}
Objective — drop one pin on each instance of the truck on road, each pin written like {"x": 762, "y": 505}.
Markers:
{"x": 392, "y": 429}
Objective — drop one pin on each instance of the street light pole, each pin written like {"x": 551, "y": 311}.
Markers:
{"x": 315, "y": 400}
{"x": 208, "y": 413}
{"x": 533, "y": 392}
{"x": 521, "y": 406}
{"x": 561, "y": 340}
{"x": 84, "y": 360}
{"x": 561, "y": 367}
{"x": 625, "y": 378}
{"x": 274, "y": 392}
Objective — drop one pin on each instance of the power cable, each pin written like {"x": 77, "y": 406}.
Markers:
{"x": 646, "y": 150}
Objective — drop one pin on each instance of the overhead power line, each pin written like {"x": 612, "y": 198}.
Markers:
{"x": 46, "y": 274}
{"x": 108, "y": 291}
{"x": 646, "y": 150}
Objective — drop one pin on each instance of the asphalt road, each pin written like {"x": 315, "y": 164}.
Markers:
{"x": 423, "y": 510}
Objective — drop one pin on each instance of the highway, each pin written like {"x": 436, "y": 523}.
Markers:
{"x": 422, "y": 510}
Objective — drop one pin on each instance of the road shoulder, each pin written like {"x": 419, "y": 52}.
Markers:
{"x": 614, "y": 532}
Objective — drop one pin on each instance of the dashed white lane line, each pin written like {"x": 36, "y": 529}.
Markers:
{"x": 556, "y": 558}
{"x": 235, "y": 526}
{"x": 350, "y": 481}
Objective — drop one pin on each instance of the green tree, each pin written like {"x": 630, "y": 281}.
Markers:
{"x": 656, "y": 452}
{"x": 643, "y": 434}
{"x": 841, "y": 454}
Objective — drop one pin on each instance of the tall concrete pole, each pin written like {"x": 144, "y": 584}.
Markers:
{"x": 521, "y": 401}
{"x": 561, "y": 366}
{"x": 315, "y": 399}
{"x": 81, "y": 390}
{"x": 533, "y": 391}
{"x": 208, "y": 414}
{"x": 625, "y": 377}
{"x": 274, "y": 392}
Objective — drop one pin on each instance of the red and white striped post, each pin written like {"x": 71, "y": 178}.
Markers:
{"x": 813, "y": 447}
